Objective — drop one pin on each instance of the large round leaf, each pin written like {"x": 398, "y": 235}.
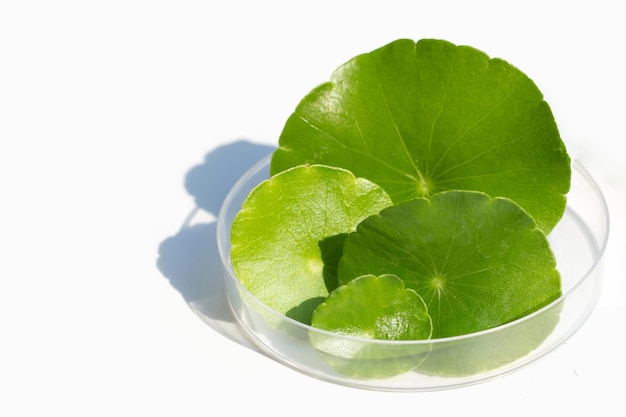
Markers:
{"x": 478, "y": 262}
{"x": 419, "y": 118}
{"x": 287, "y": 238}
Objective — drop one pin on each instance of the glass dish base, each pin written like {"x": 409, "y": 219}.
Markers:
{"x": 578, "y": 242}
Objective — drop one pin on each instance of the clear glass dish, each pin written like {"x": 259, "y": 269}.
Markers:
{"x": 578, "y": 242}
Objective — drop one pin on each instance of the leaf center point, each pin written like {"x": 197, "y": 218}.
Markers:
{"x": 425, "y": 186}
{"x": 315, "y": 265}
{"x": 438, "y": 283}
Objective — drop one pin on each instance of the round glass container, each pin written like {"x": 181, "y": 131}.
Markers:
{"x": 578, "y": 242}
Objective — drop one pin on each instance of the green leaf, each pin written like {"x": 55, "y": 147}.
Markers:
{"x": 287, "y": 238}
{"x": 477, "y": 261}
{"x": 374, "y": 308}
{"x": 420, "y": 118}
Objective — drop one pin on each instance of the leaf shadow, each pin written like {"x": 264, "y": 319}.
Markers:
{"x": 331, "y": 249}
{"x": 189, "y": 259}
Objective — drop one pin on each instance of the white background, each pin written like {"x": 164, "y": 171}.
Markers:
{"x": 119, "y": 118}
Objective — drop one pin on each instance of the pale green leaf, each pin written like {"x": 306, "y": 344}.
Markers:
{"x": 372, "y": 308}
{"x": 287, "y": 238}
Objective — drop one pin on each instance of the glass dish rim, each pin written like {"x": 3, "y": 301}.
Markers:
{"x": 265, "y": 162}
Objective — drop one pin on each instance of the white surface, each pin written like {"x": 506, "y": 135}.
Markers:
{"x": 117, "y": 117}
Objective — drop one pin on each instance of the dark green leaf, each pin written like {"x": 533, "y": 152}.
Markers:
{"x": 478, "y": 262}
{"x": 420, "y": 118}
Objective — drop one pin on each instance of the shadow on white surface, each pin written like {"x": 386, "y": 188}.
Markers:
{"x": 190, "y": 259}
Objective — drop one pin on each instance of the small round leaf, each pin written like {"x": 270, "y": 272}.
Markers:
{"x": 366, "y": 308}
{"x": 375, "y": 307}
